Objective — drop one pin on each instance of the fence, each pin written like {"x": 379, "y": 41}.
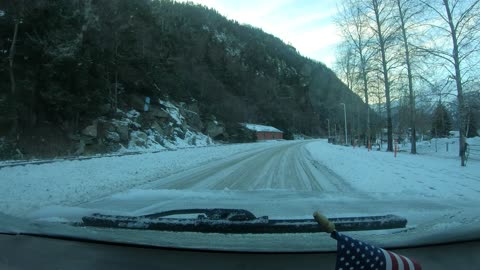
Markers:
{"x": 473, "y": 151}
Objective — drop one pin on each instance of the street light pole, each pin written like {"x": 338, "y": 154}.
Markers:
{"x": 345, "y": 115}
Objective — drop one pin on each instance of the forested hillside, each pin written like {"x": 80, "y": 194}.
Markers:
{"x": 67, "y": 63}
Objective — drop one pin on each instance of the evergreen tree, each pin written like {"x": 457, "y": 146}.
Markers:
{"x": 472, "y": 125}
{"x": 442, "y": 122}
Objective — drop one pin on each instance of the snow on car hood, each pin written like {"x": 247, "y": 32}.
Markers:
{"x": 428, "y": 221}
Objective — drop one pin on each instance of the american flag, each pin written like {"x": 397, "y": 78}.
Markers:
{"x": 355, "y": 255}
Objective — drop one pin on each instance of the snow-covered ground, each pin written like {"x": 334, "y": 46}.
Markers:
{"x": 281, "y": 179}
{"x": 70, "y": 182}
{"x": 443, "y": 147}
{"x": 434, "y": 172}
{"x": 334, "y": 170}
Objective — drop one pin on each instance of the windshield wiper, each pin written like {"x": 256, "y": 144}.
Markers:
{"x": 236, "y": 221}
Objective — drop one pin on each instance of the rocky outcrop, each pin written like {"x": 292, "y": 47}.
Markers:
{"x": 214, "y": 128}
{"x": 123, "y": 130}
{"x": 165, "y": 125}
{"x": 138, "y": 138}
{"x": 194, "y": 120}
{"x": 155, "y": 126}
{"x": 91, "y": 130}
{"x": 113, "y": 136}
{"x": 191, "y": 113}
{"x": 156, "y": 112}
{"x": 113, "y": 130}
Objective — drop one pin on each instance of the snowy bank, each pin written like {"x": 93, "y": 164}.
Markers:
{"x": 73, "y": 182}
{"x": 428, "y": 174}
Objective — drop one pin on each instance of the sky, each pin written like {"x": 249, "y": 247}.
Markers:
{"x": 306, "y": 24}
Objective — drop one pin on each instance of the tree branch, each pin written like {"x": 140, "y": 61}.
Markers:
{"x": 443, "y": 55}
{"x": 435, "y": 10}
{"x": 466, "y": 13}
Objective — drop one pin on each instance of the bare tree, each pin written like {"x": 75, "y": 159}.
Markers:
{"x": 359, "y": 38}
{"x": 346, "y": 64}
{"x": 385, "y": 31}
{"x": 406, "y": 12}
{"x": 459, "y": 20}
{"x": 11, "y": 56}
{"x": 17, "y": 17}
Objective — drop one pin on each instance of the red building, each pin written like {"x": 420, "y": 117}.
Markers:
{"x": 265, "y": 132}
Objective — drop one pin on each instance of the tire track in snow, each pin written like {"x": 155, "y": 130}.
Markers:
{"x": 281, "y": 167}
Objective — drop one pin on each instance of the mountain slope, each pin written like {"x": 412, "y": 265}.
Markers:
{"x": 76, "y": 61}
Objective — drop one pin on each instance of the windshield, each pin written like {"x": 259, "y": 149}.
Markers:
{"x": 125, "y": 109}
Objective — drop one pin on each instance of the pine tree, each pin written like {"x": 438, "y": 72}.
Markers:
{"x": 442, "y": 122}
{"x": 472, "y": 125}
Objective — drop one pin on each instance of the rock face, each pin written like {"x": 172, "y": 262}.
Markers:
{"x": 158, "y": 128}
{"x": 113, "y": 130}
{"x": 166, "y": 124}
{"x": 80, "y": 149}
{"x": 90, "y": 131}
{"x": 138, "y": 138}
{"x": 214, "y": 128}
{"x": 123, "y": 131}
{"x": 193, "y": 120}
{"x": 113, "y": 136}
{"x": 157, "y": 112}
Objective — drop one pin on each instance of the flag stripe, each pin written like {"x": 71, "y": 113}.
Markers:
{"x": 407, "y": 263}
{"x": 401, "y": 265}
{"x": 416, "y": 265}
{"x": 388, "y": 264}
{"x": 354, "y": 254}
{"x": 395, "y": 262}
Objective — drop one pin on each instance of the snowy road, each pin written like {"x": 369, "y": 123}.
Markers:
{"x": 293, "y": 179}
{"x": 282, "y": 173}
{"x": 299, "y": 174}
{"x": 283, "y": 166}
{"x": 282, "y": 179}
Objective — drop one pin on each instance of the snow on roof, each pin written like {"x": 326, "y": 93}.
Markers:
{"x": 261, "y": 128}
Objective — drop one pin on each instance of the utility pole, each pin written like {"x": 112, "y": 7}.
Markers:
{"x": 345, "y": 116}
